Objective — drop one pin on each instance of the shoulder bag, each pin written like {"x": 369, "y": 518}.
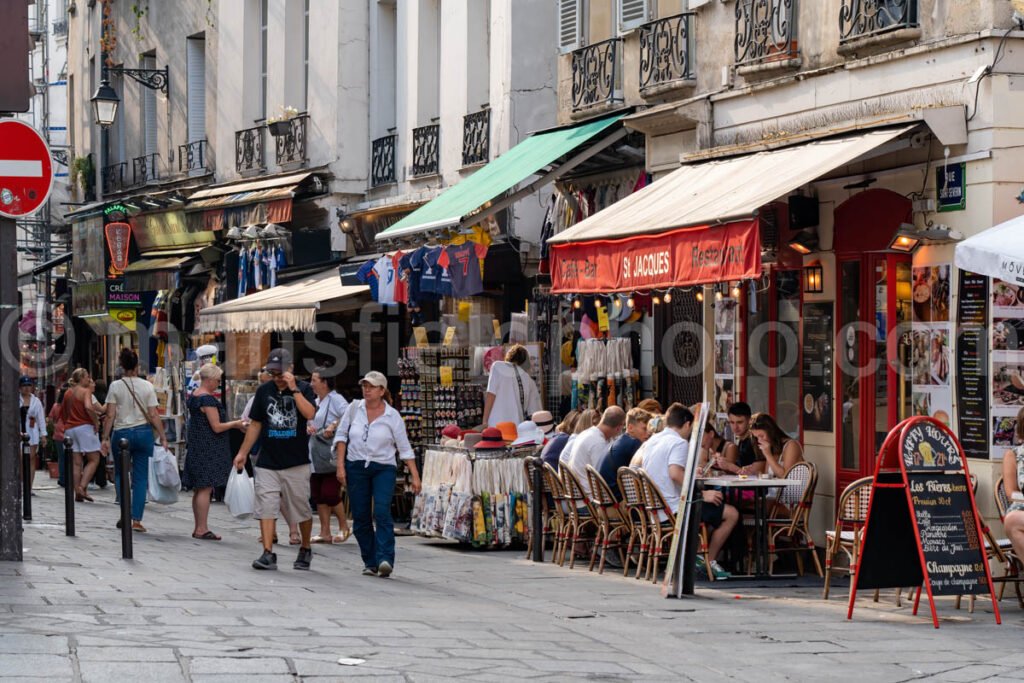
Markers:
{"x": 321, "y": 449}
{"x": 522, "y": 393}
{"x": 145, "y": 413}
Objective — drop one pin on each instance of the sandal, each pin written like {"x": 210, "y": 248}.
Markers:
{"x": 342, "y": 536}
{"x": 321, "y": 539}
{"x": 294, "y": 540}
{"x": 137, "y": 526}
{"x": 208, "y": 536}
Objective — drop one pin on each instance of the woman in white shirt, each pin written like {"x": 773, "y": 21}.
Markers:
{"x": 366, "y": 442}
{"x": 323, "y": 480}
{"x": 512, "y": 394}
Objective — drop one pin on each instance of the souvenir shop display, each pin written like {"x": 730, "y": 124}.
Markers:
{"x": 605, "y": 375}
{"x": 436, "y": 390}
{"x": 475, "y": 497}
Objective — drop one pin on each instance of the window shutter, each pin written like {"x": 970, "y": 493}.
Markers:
{"x": 632, "y": 13}
{"x": 570, "y": 21}
{"x": 149, "y": 112}
{"x": 196, "y": 56}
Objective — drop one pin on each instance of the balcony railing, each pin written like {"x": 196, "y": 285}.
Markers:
{"x": 60, "y": 27}
{"x": 666, "y": 51}
{"x": 192, "y": 157}
{"x": 382, "y": 162}
{"x": 766, "y": 31}
{"x": 476, "y": 138}
{"x": 291, "y": 146}
{"x": 249, "y": 146}
{"x": 864, "y": 18}
{"x": 113, "y": 177}
{"x": 595, "y": 74}
{"x": 426, "y": 153}
{"x": 144, "y": 169}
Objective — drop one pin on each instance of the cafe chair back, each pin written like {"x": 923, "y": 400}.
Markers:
{"x": 636, "y": 511}
{"x": 553, "y": 484}
{"x": 846, "y": 538}
{"x": 795, "y": 531}
{"x": 530, "y": 466}
{"x": 580, "y": 516}
{"x": 1001, "y": 550}
{"x": 662, "y": 524}
{"x": 612, "y": 523}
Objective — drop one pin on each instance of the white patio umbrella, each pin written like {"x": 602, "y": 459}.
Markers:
{"x": 996, "y": 252}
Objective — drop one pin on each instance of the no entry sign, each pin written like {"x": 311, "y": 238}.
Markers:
{"x": 26, "y": 170}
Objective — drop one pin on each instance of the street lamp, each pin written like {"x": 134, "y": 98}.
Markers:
{"x": 104, "y": 104}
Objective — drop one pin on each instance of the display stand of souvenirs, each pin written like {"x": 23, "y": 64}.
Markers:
{"x": 436, "y": 391}
{"x": 475, "y": 497}
{"x": 605, "y": 375}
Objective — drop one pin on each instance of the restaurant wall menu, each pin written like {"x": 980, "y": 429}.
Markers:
{"x": 1007, "y": 363}
{"x": 816, "y": 375}
{"x": 931, "y": 342}
{"x": 972, "y": 364}
{"x": 725, "y": 360}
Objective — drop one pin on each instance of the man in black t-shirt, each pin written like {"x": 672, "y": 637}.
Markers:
{"x": 279, "y": 413}
{"x": 743, "y": 456}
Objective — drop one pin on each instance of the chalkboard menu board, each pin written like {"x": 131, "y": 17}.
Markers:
{"x": 972, "y": 385}
{"x": 953, "y": 553}
{"x": 816, "y": 383}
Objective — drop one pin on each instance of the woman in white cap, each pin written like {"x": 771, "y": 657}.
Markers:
{"x": 369, "y": 436}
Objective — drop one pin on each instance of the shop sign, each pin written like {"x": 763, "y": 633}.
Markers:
{"x": 816, "y": 377}
{"x": 972, "y": 379}
{"x": 88, "y": 298}
{"x": 118, "y": 296}
{"x": 124, "y": 316}
{"x": 687, "y": 256}
{"x": 119, "y": 238}
{"x": 167, "y": 229}
{"x": 951, "y": 187}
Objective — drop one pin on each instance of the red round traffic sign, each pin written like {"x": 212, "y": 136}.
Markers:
{"x": 26, "y": 169}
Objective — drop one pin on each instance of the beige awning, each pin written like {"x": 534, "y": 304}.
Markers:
{"x": 250, "y": 186}
{"x": 147, "y": 264}
{"x": 716, "y": 192}
{"x": 291, "y": 307}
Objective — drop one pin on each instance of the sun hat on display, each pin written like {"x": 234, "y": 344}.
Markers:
{"x": 490, "y": 440}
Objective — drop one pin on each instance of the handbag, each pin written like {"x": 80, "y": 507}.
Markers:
{"x": 321, "y": 449}
{"x": 522, "y": 393}
{"x": 145, "y": 412}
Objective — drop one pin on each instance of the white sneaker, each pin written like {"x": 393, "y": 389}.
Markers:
{"x": 720, "y": 574}
{"x": 384, "y": 569}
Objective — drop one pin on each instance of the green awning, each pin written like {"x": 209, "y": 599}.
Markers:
{"x": 528, "y": 158}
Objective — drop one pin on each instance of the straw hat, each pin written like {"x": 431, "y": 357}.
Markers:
{"x": 490, "y": 440}
{"x": 471, "y": 439}
{"x": 545, "y": 420}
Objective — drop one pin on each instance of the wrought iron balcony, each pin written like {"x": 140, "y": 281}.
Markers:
{"x": 144, "y": 169}
{"x": 60, "y": 27}
{"x": 595, "y": 74}
{"x": 476, "y": 138}
{"x": 249, "y": 150}
{"x": 382, "y": 162}
{"x": 291, "y": 146}
{"x": 666, "y": 51}
{"x": 113, "y": 177}
{"x": 192, "y": 157}
{"x": 864, "y": 18}
{"x": 426, "y": 152}
{"x": 766, "y": 31}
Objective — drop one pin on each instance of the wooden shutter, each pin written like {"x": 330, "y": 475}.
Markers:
{"x": 570, "y": 23}
{"x": 149, "y": 124}
{"x": 196, "y": 57}
{"x": 632, "y": 13}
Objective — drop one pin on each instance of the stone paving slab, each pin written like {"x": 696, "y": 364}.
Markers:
{"x": 186, "y": 610}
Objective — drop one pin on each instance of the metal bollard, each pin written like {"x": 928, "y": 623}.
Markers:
{"x": 26, "y": 479}
{"x": 126, "y": 499}
{"x": 69, "y": 488}
{"x": 538, "y": 513}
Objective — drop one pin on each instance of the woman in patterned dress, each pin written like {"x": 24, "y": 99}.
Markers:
{"x": 208, "y": 458}
{"x": 1013, "y": 485}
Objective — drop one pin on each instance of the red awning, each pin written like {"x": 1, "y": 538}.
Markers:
{"x": 677, "y": 258}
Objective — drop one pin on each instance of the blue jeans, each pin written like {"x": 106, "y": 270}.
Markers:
{"x": 370, "y": 489}
{"x": 140, "y": 444}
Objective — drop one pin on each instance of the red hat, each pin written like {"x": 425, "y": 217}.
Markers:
{"x": 491, "y": 440}
{"x": 451, "y": 431}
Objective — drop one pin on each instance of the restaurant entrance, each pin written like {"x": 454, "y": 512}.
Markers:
{"x": 873, "y": 342}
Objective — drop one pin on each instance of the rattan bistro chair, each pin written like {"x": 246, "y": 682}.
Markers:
{"x": 580, "y": 515}
{"x": 530, "y": 466}
{"x": 612, "y": 524}
{"x": 636, "y": 512}
{"x": 846, "y": 538}
{"x": 553, "y": 483}
{"x": 796, "y": 529}
{"x": 1002, "y": 550}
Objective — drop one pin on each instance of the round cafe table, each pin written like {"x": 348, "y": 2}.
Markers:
{"x": 760, "y": 487}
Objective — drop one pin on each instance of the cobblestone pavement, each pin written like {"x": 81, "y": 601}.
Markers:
{"x": 188, "y": 610}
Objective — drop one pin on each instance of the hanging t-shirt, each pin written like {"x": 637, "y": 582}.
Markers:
{"x": 443, "y": 286}
{"x": 386, "y": 285}
{"x": 463, "y": 265}
{"x": 401, "y": 290}
{"x": 429, "y": 274}
{"x": 243, "y": 272}
{"x": 410, "y": 274}
{"x": 367, "y": 274}
{"x": 257, "y": 267}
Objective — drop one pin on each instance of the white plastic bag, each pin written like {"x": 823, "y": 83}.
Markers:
{"x": 240, "y": 494}
{"x": 158, "y": 493}
{"x": 166, "y": 466}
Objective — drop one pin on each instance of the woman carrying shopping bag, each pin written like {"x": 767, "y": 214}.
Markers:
{"x": 367, "y": 440}
{"x": 208, "y": 459}
{"x": 131, "y": 415}
{"x": 323, "y": 481}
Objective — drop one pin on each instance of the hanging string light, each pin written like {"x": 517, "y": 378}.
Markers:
{"x": 655, "y": 300}
{"x": 577, "y": 304}
{"x": 629, "y": 302}
{"x": 668, "y": 297}
{"x": 700, "y": 295}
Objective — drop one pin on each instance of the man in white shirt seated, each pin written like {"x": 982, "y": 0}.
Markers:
{"x": 664, "y": 459}
{"x": 590, "y": 447}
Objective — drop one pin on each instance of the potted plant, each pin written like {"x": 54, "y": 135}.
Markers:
{"x": 281, "y": 124}
{"x": 82, "y": 175}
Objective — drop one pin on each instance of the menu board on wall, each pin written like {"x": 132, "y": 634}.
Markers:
{"x": 972, "y": 364}
{"x": 1007, "y": 363}
{"x": 931, "y": 342}
{"x": 816, "y": 375}
{"x": 725, "y": 359}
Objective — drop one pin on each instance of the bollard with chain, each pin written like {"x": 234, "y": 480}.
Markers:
{"x": 69, "y": 487}
{"x": 538, "y": 512}
{"x": 26, "y": 479}
{"x": 126, "y": 499}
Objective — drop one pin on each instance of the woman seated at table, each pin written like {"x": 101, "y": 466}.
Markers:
{"x": 780, "y": 454}
{"x": 1013, "y": 485}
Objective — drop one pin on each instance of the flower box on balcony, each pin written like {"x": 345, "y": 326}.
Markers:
{"x": 279, "y": 128}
